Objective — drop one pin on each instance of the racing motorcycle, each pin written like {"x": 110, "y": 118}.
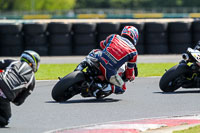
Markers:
{"x": 89, "y": 82}
{"x": 184, "y": 75}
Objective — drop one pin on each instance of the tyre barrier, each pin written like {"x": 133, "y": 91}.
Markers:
{"x": 105, "y": 29}
{"x": 35, "y": 38}
{"x": 84, "y": 38}
{"x": 11, "y": 39}
{"x": 59, "y": 28}
{"x": 195, "y": 32}
{"x": 10, "y": 29}
{"x": 156, "y": 38}
{"x": 57, "y": 38}
{"x": 179, "y": 36}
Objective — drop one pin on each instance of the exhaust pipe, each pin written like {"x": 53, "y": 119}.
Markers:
{"x": 185, "y": 56}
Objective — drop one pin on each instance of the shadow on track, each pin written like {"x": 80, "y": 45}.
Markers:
{"x": 105, "y": 100}
{"x": 180, "y": 92}
{"x": 5, "y": 127}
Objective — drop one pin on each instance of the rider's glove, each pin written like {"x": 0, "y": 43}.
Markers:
{"x": 132, "y": 78}
{"x": 129, "y": 74}
{"x": 21, "y": 97}
{"x": 135, "y": 70}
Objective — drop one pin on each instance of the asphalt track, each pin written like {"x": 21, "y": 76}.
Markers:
{"x": 143, "y": 99}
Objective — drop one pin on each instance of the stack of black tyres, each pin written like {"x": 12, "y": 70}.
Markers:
{"x": 84, "y": 38}
{"x": 59, "y": 38}
{"x": 11, "y": 40}
{"x": 140, "y": 27}
{"x": 195, "y": 32}
{"x": 105, "y": 29}
{"x": 156, "y": 38}
{"x": 179, "y": 36}
{"x": 35, "y": 37}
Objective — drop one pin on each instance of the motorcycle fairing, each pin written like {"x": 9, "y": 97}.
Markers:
{"x": 195, "y": 53}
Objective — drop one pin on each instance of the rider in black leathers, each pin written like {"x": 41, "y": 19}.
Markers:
{"x": 197, "y": 79}
{"x": 17, "y": 80}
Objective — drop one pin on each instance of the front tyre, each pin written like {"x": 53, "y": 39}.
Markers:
{"x": 68, "y": 86}
{"x": 171, "y": 80}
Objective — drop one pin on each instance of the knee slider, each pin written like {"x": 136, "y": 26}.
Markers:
{"x": 116, "y": 80}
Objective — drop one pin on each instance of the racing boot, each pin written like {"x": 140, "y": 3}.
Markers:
{"x": 118, "y": 90}
{"x": 103, "y": 92}
{"x": 98, "y": 88}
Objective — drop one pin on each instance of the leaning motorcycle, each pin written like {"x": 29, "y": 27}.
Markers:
{"x": 84, "y": 82}
{"x": 184, "y": 74}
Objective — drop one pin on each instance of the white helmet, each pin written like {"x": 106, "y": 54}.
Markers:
{"x": 32, "y": 57}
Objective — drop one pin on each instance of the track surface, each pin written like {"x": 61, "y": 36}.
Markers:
{"x": 143, "y": 99}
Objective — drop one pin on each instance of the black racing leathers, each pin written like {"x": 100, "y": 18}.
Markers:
{"x": 5, "y": 112}
{"x": 16, "y": 80}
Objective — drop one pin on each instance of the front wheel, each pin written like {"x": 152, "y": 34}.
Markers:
{"x": 68, "y": 86}
{"x": 172, "y": 79}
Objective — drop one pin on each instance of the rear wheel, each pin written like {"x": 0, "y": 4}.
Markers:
{"x": 173, "y": 78}
{"x": 68, "y": 86}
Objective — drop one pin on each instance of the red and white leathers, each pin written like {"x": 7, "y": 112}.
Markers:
{"x": 117, "y": 50}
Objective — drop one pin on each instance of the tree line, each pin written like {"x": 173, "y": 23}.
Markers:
{"x": 55, "y": 5}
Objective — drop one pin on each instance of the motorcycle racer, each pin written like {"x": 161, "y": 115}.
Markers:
{"x": 17, "y": 80}
{"x": 117, "y": 50}
{"x": 196, "y": 82}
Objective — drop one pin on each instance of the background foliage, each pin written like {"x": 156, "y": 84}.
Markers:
{"x": 38, "y": 5}
{"x": 51, "y": 5}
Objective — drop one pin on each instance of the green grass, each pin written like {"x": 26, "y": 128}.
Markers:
{"x": 153, "y": 69}
{"x": 53, "y": 71}
{"x": 195, "y": 129}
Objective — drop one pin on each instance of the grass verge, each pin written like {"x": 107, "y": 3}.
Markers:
{"x": 195, "y": 129}
{"x": 53, "y": 71}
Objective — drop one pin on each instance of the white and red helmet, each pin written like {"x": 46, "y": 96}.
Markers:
{"x": 131, "y": 33}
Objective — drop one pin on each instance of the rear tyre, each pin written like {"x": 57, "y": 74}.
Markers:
{"x": 170, "y": 81}
{"x": 67, "y": 87}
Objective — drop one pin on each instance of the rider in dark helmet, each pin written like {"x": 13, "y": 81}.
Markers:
{"x": 17, "y": 80}
{"x": 196, "y": 82}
